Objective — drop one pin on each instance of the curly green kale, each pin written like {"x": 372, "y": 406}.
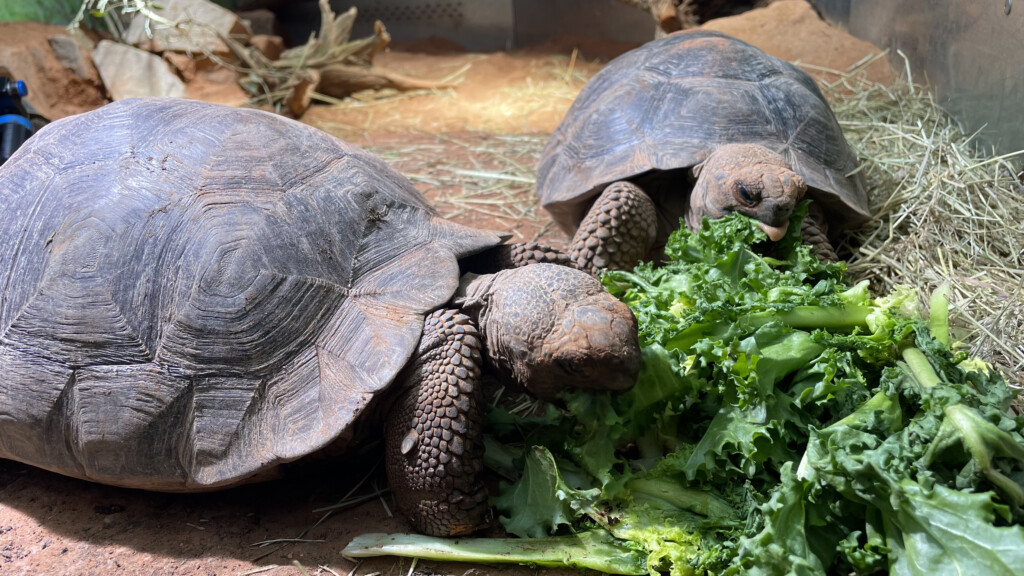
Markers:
{"x": 784, "y": 422}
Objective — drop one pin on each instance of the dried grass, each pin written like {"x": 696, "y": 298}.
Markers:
{"x": 474, "y": 178}
{"x": 945, "y": 211}
{"x": 534, "y": 102}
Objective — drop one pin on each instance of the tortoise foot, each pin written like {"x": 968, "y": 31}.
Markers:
{"x": 814, "y": 232}
{"x": 617, "y": 232}
{"x": 434, "y": 442}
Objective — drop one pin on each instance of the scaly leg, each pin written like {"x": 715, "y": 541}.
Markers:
{"x": 434, "y": 436}
{"x": 618, "y": 231}
{"x": 814, "y": 232}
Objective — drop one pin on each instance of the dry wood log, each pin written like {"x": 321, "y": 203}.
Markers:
{"x": 329, "y": 64}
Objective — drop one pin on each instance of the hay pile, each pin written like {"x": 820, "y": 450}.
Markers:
{"x": 944, "y": 210}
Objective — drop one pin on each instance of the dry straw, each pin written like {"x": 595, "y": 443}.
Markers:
{"x": 484, "y": 180}
{"x": 946, "y": 210}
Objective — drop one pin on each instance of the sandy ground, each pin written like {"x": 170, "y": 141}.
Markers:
{"x": 471, "y": 149}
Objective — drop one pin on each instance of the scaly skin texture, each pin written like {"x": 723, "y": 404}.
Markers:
{"x": 434, "y": 448}
{"x": 748, "y": 179}
{"x": 523, "y": 253}
{"x": 513, "y": 255}
{"x": 814, "y": 232}
{"x": 617, "y": 232}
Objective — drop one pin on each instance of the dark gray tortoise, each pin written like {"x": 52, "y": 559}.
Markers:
{"x": 195, "y": 295}
{"x": 695, "y": 124}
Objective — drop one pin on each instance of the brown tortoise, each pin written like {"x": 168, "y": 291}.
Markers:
{"x": 195, "y": 295}
{"x": 701, "y": 124}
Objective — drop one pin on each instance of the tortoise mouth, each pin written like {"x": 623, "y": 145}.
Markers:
{"x": 775, "y": 233}
{"x": 595, "y": 347}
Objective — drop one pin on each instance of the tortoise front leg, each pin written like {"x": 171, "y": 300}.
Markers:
{"x": 434, "y": 431}
{"x": 814, "y": 233}
{"x": 618, "y": 232}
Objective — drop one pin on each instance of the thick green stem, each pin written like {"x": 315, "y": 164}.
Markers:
{"x": 921, "y": 368}
{"x": 697, "y": 501}
{"x": 938, "y": 314}
{"x": 830, "y": 318}
{"x": 803, "y": 317}
{"x": 596, "y": 550}
{"x": 984, "y": 441}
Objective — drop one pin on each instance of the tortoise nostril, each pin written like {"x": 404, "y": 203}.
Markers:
{"x": 777, "y": 213}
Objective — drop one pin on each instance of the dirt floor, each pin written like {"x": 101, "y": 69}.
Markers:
{"x": 472, "y": 150}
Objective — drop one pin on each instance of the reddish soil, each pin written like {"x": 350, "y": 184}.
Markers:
{"x": 54, "y": 91}
{"x": 472, "y": 150}
{"x": 791, "y": 30}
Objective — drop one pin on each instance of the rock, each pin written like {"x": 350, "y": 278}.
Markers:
{"x": 70, "y": 55}
{"x": 269, "y": 46}
{"x": 129, "y": 72}
{"x": 54, "y": 91}
{"x": 183, "y": 64}
{"x": 793, "y": 31}
{"x": 216, "y": 85}
{"x": 210, "y": 20}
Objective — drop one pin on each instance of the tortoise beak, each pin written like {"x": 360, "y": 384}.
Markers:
{"x": 776, "y": 233}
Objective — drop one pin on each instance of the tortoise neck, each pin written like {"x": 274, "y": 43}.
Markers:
{"x": 473, "y": 295}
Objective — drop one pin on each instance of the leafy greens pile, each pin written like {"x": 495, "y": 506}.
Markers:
{"x": 784, "y": 422}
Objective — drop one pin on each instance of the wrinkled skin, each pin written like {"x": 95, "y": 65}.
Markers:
{"x": 548, "y": 328}
{"x": 748, "y": 179}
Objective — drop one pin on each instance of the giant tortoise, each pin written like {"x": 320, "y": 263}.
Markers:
{"x": 195, "y": 295}
{"x": 691, "y": 125}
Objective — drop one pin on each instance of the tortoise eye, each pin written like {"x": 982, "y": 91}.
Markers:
{"x": 746, "y": 195}
{"x": 572, "y": 367}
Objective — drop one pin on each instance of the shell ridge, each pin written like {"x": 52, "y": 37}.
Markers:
{"x": 16, "y": 253}
{"x": 126, "y": 423}
{"x": 112, "y": 338}
{"x": 247, "y": 332}
{"x": 33, "y": 390}
{"x": 219, "y": 422}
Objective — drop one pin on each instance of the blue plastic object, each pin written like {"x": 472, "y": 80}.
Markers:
{"x": 16, "y": 119}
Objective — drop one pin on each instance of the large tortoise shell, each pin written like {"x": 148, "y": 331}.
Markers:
{"x": 194, "y": 294}
{"x": 669, "y": 103}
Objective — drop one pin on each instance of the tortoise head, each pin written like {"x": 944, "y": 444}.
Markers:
{"x": 550, "y": 327}
{"x": 749, "y": 179}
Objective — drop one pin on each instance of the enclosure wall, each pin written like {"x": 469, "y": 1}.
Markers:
{"x": 969, "y": 51}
